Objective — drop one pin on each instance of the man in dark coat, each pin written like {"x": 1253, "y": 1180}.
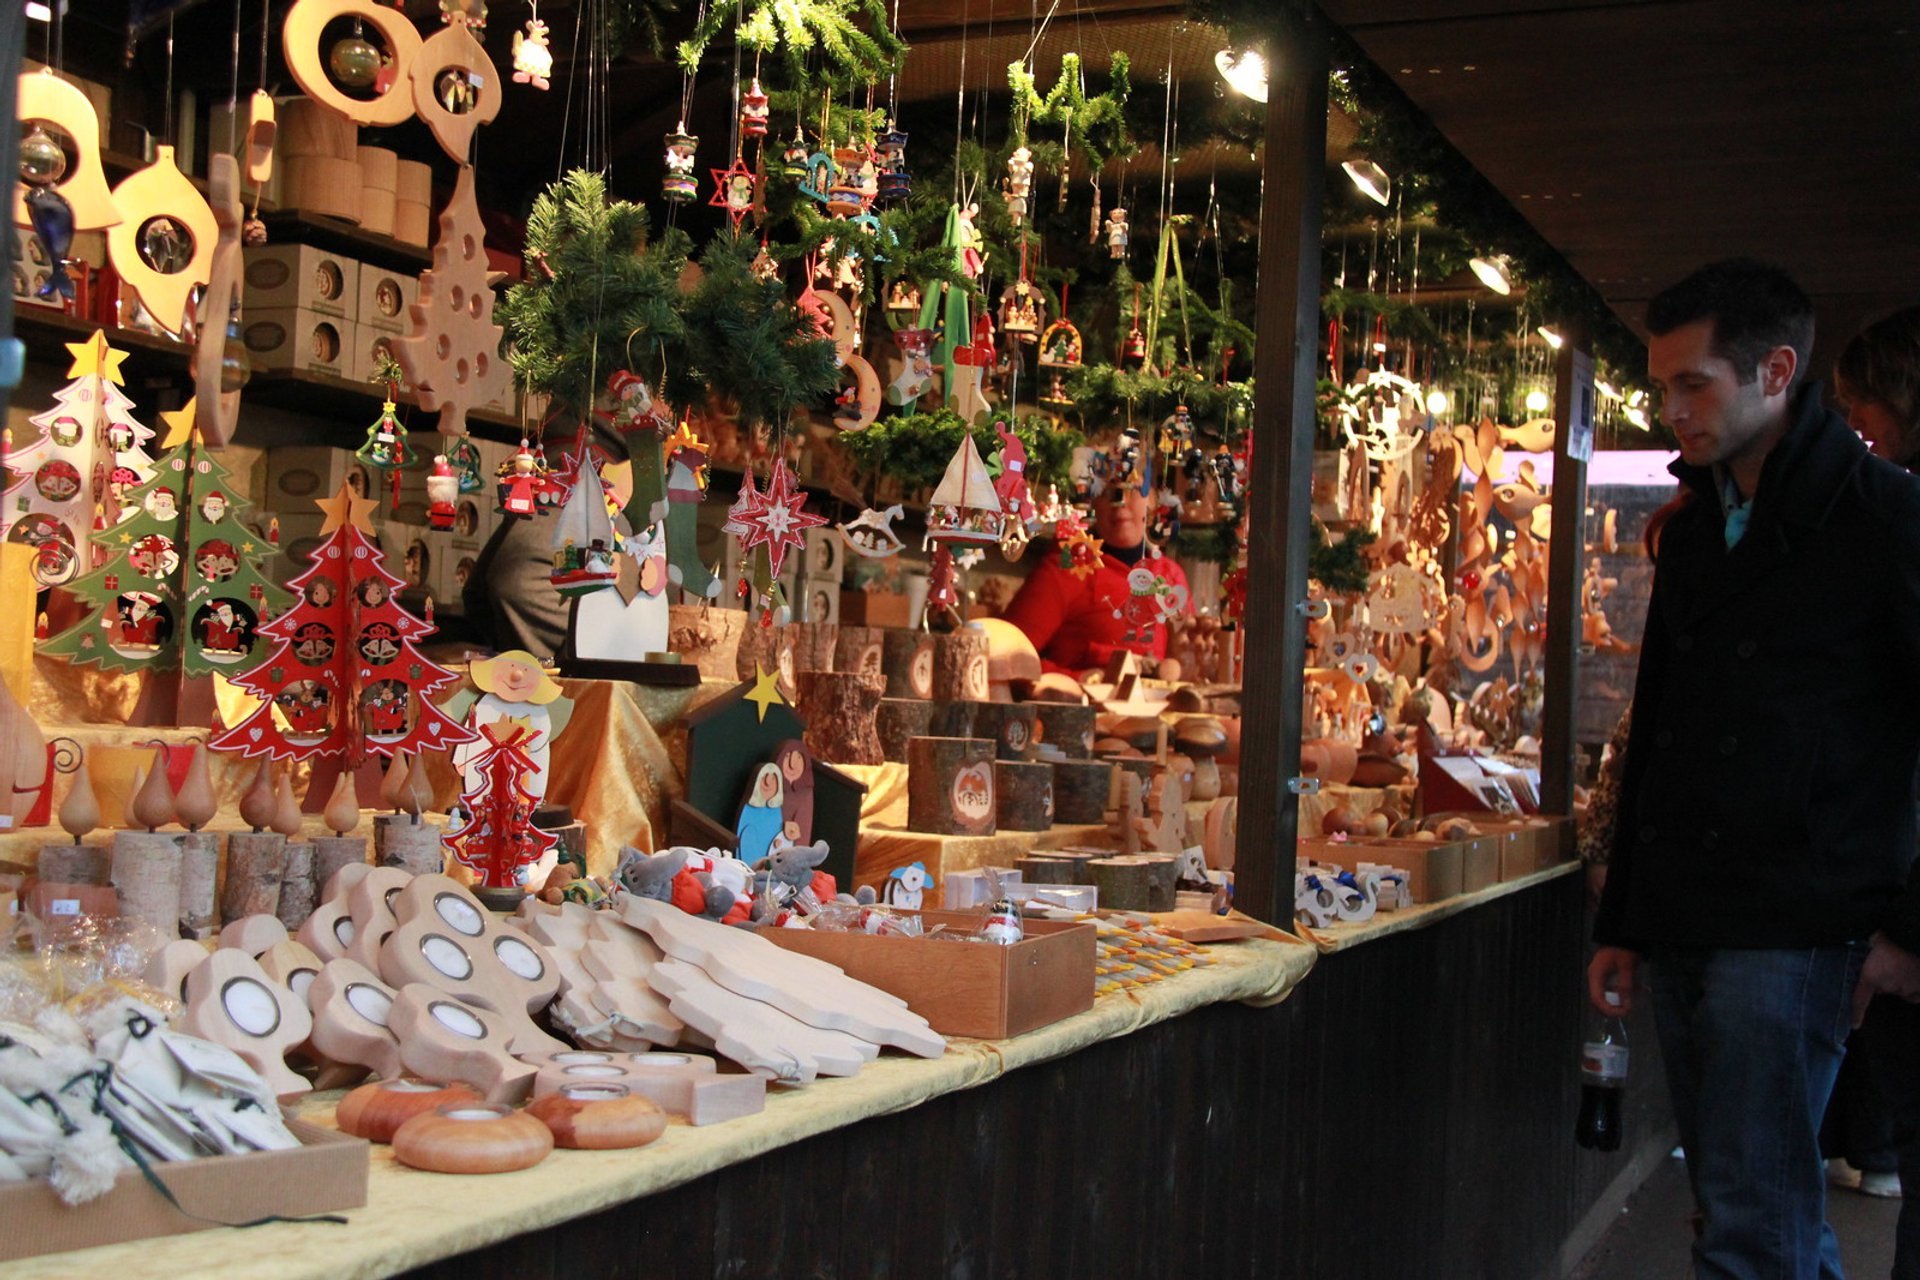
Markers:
{"x": 1766, "y": 822}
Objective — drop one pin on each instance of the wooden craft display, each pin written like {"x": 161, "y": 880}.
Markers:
{"x": 42, "y": 95}
{"x": 446, "y": 939}
{"x": 376, "y": 1110}
{"x": 300, "y": 39}
{"x": 598, "y": 1117}
{"x": 1081, "y": 789}
{"x": 472, "y": 1137}
{"x": 761, "y": 1038}
{"x": 841, "y": 710}
{"x": 351, "y": 1011}
{"x": 161, "y": 191}
{"x": 960, "y": 665}
{"x": 1009, "y": 725}
{"x": 232, "y": 1001}
{"x": 900, "y": 719}
{"x": 950, "y": 786}
{"x": 443, "y": 1039}
{"x": 254, "y": 935}
{"x": 1023, "y": 795}
{"x": 686, "y": 1084}
{"x": 907, "y": 661}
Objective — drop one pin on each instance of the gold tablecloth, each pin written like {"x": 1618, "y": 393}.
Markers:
{"x": 413, "y": 1218}
{"x": 1341, "y": 937}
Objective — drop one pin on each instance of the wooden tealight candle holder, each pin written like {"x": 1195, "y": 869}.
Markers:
{"x": 1009, "y": 724}
{"x": 472, "y": 1137}
{"x": 960, "y": 666}
{"x": 328, "y": 931}
{"x": 443, "y": 1039}
{"x": 1066, "y": 726}
{"x": 254, "y": 935}
{"x": 900, "y": 719}
{"x": 351, "y": 1012}
{"x": 257, "y": 859}
{"x": 194, "y": 807}
{"x": 950, "y": 786}
{"x": 447, "y": 940}
{"x": 370, "y": 903}
{"x": 1081, "y": 789}
{"x": 1023, "y": 795}
{"x": 686, "y": 1084}
{"x": 293, "y": 966}
{"x": 1122, "y": 882}
{"x": 77, "y": 863}
{"x": 147, "y": 864}
{"x": 232, "y": 1001}
{"x": 167, "y": 970}
{"x": 342, "y": 814}
{"x": 604, "y": 1116}
{"x": 376, "y": 1110}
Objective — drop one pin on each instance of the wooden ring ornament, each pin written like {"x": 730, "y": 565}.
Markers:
{"x": 453, "y": 49}
{"x": 472, "y": 1137}
{"x": 300, "y": 40}
{"x": 376, "y": 1110}
{"x": 216, "y": 406}
{"x": 44, "y": 96}
{"x": 161, "y": 191}
{"x": 598, "y": 1116}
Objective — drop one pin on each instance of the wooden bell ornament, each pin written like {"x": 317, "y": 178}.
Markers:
{"x": 44, "y": 96}
{"x": 232, "y": 1001}
{"x": 351, "y": 1007}
{"x": 447, "y": 940}
{"x": 453, "y": 67}
{"x": 472, "y": 1137}
{"x": 443, "y": 1039}
{"x": 216, "y": 385}
{"x": 376, "y": 1110}
{"x": 300, "y": 37}
{"x": 160, "y": 191}
{"x": 598, "y": 1117}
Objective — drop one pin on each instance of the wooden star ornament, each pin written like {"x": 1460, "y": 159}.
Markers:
{"x": 765, "y": 692}
{"x": 95, "y": 356}
{"x": 345, "y": 508}
{"x": 779, "y": 520}
{"x": 736, "y": 189}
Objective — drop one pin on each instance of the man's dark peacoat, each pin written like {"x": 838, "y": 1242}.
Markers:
{"x": 1768, "y": 799}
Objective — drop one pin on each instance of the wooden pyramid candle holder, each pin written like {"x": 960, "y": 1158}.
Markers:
{"x": 232, "y": 1001}
{"x": 443, "y": 1039}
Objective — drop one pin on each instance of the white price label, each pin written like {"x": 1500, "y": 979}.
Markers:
{"x": 64, "y": 907}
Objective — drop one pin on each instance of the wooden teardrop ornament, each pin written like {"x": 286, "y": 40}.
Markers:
{"x": 300, "y": 39}
{"x": 80, "y": 811}
{"x": 258, "y": 805}
{"x": 194, "y": 804}
{"x": 473, "y": 1137}
{"x": 599, "y": 1117}
{"x": 152, "y": 804}
{"x": 161, "y": 191}
{"x": 376, "y": 1110}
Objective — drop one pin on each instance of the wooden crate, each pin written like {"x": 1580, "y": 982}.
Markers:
{"x": 967, "y": 988}
{"x": 1435, "y": 868}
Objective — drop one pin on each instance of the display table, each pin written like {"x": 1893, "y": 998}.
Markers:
{"x": 1342, "y": 937}
{"x": 413, "y": 1218}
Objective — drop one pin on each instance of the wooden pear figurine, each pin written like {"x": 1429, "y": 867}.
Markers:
{"x": 342, "y": 813}
{"x": 127, "y": 820}
{"x": 194, "y": 803}
{"x": 258, "y": 806}
{"x": 80, "y": 811}
{"x": 393, "y": 783}
{"x": 152, "y": 804}
{"x": 286, "y": 810}
{"x": 418, "y": 790}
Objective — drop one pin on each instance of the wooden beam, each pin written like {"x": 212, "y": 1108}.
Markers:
{"x": 1566, "y": 553}
{"x": 1280, "y": 527}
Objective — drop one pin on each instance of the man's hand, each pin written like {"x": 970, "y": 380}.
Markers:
{"x": 1889, "y": 970}
{"x": 1612, "y": 970}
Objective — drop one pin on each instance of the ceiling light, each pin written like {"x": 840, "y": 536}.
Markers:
{"x": 1553, "y": 338}
{"x": 1245, "y": 72}
{"x": 38, "y": 12}
{"x": 1495, "y": 273}
{"x": 1372, "y": 180}
{"x": 1638, "y": 417}
{"x": 1636, "y": 398}
{"x": 1537, "y": 401}
{"x": 1606, "y": 390}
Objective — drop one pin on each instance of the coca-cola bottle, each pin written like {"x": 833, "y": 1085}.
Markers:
{"x": 1603, "y": 1078}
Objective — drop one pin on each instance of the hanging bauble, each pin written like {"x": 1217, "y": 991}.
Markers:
{"x": 43, "y": 96}
{"x": 679, "y": 185}
{"x": 42, "y": 162}
{"x": 467, "y": 466}
{"x": 354, "y": 60}
{"x": 392, "y": 102}
{"x": 52, "y": 220}
{"x": 753, "y": 111}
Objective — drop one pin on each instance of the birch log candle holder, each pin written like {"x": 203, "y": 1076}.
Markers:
{"x": 147, "y": 864}
{"x": 78, "y": 862}
{"x": 342, "y": 815}
{"x": 256, "y": 859}
{"x": 194, "y": 806}
{"x": 404, "y": 839}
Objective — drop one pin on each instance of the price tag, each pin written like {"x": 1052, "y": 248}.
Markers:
{"x": 64, "y": 907}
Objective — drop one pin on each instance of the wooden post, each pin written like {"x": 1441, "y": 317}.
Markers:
{"x": 74, "y": 863}
{"x": 1288, "y": 322}
{"x": 1566, "y": 552}
{"x": 256, "y": 866}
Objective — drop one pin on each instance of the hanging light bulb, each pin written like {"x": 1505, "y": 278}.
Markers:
{"x": 1495, "y": 273}
{"x": 1437, "y": 403}
{"x": 1551, "y": 336}
{"x": 1370, "y": 178}
{"x": 1537, "y": 401}
{"x": 1245, "y": 72}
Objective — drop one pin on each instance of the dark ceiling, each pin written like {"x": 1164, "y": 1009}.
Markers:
{"x": 1645, "y": 137}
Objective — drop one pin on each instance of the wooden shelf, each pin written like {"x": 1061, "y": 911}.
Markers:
{"x": 336, "y": 235}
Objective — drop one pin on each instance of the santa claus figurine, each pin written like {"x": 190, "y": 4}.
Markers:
{"x": 443, "y": 491}
{"x": 223, "y": 631}
{"x": 1150, "y": 601}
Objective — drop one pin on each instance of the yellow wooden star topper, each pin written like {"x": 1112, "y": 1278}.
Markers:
{"x": 179, "y": 425}
{"x": 683, "y": 437}
{"x": 344, "y": 508}
{"x": 94, "y": 356}
{"x": 765, "y": 692}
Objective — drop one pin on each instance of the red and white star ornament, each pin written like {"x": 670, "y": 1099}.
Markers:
{"x": 777, "y": 520}
{"x": 736, "y": 189}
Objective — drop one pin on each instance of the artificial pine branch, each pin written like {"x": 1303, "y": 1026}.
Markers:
{"x": 745, "y": 339}
{"x": 850, "y": 54}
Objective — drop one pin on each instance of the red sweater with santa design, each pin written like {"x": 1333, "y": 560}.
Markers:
{"x": 1076, "y": 623}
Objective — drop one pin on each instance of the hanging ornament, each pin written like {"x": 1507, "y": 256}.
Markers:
{"x": 853, "y": 184}
{"x": 973, "y": 244}
{"x": 793, "y": 161}
{"x": 520, "y": 478}
{"x": 779, "y": 520}
{"x": 468, "y": 467}
{"x": 386, "y": 444}
{"x": 903, "y": 305}
{"x": 679, "y": 185}
{"x": 353, "y": 60}
{"x": 42, "y": 162}
{"x": 52, "y": 220}
{"x": 1019, "y": 183}
{"x": 753, "y": 111}
{"x": 443, "y": 493}
{"x": 1117, "y": 232}
{"x": 895, "y": 182}
{"x": 164, "y": 248}
{"x": 455, "y": 89}
{"x": 532, "y": 59}
{"x": 45, "y": 97}
{"x": 736, "y": 189}
{"x": 871, "y": 533}
{"x": 1020, "y": 312}
{"x": 393, "y": 101}
{"x": 816, "y": 180}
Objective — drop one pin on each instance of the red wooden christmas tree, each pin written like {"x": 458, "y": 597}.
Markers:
{"x": 344, "y": 672}
{"x": 498, "y": 841}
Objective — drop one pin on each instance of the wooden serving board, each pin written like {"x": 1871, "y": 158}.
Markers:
{"x": 756, "y": 1035}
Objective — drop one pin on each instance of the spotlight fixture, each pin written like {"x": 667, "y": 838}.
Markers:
{"x": 1372, "y": 180}
{"x": 1495, "y": 273}
{"x": 1537, "y": 401}
{"x": 1552, "y": 336}
{"x": 1245, "y": 73}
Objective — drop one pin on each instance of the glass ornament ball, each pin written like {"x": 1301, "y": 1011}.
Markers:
{"x": 354, "y": 62}
{"x": 42, "y": 161}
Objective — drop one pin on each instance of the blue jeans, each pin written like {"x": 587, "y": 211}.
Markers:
{"x": 1752, "y": 1041}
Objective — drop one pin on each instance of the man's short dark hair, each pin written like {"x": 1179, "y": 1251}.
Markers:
{"x": 1754, "y": 307}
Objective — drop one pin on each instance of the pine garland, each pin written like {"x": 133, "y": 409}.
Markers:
{"x": 849, "y": 55}
{"x": 915, "y": 449}
{"x": 745, "y": 339}
{"x": 1339, "y": 566}
{"x": 1096, "y": 126}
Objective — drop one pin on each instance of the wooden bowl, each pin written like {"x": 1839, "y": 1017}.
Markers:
{"x": 472, "y": 1137}
{"x": 599, "y": 1116}
{"x": 376, "y": 1110}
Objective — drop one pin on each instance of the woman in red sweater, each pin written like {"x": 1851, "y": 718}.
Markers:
{"x": 1078, "y": 623}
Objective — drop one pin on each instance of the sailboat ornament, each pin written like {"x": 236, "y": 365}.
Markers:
{"x": 584, "y": 541}
{"x": 965, "y": 507}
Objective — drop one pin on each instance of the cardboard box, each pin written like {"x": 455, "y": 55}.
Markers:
{"x": 291, "y": 338}
{"x": 1479, "y": 863}
{"x": 1435, "y": 868}
{"x": 290, "y": 277}
{"x": 962, "y": 988}
{"x": 327, "y": 1173}
{"x": 300, "y": 474}
{"x": 384, "y": 298}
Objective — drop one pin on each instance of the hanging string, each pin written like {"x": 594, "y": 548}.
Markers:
{"x": 733, "y": 136}
{"x": 893, "y": 75}
{"x": 266, "y": 24}
{"x": 168, "y": 134}
{"x": 566, "y": 110}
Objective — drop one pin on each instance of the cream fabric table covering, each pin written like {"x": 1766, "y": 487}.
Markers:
{"x": 412, "y": 1218}
{"x": 1341, "y": 937}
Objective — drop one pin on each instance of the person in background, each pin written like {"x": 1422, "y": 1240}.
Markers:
{"x": 1766, "y": 818}
{"x": 1077, "y": 623}
{"x": 1877, "y": 385}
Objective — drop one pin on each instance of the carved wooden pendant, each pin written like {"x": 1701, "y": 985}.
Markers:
{"x": 45, "y": 96}
{"x": 216, "y": 388}
{"x": 455, "y": 89}
{"x": 300, "y": 38}
{"x": 163, "y": 245}
{"x": 451, "y": 340}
